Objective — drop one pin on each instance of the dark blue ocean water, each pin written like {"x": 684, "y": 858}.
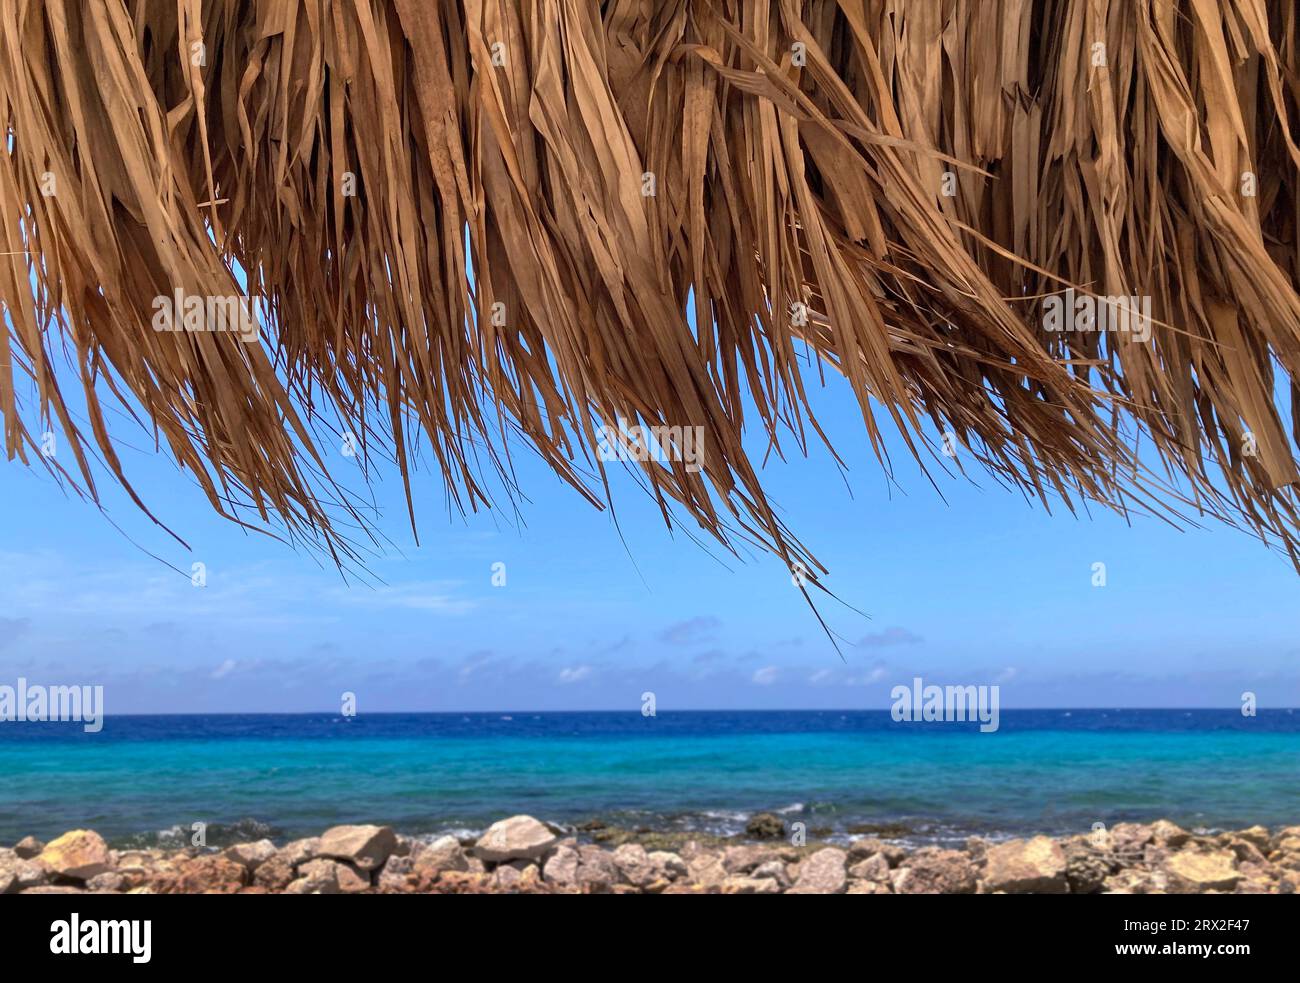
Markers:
{"x": 1055, "y": 771}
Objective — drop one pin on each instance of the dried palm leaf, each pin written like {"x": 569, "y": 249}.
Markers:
{"x": 470, "y": 220}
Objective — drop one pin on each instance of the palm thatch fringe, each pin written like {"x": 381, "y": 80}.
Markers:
{"x": 467, "y": 220}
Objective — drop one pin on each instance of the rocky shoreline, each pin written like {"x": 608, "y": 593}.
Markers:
{"x": 522, "y": 855}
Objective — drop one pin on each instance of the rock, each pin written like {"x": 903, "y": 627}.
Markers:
{"x": 211, "y": 874}
{"x": 1193, "y": 873}
{"x": 1129, "y": 881}
{"x": 28, "y": 847}
{"x": 867, "y": 887}
{"x": 275, "y": 874}
{"x": 299, "y": 851}
{"x": 365, "y": 846}
{"x": 444, "y": 853}
{"x": 1287, "y": 840}
{"x": 875, "y": 868}
{"x": 1128, "y": 837}
{"x": 1086, "y": 867}
{"x": 17, "y": 874}
{"x": 1036, "y": 866}
{"x": 251, "y": 855}
{"x": 1256, "y": 836}
{"x": 462, "y": 882}
{"x": 1257, "y": 878}
{"x": 55, "y": 889}
{"x": 931, "y": 870}
{"x": 869, "y": 846}
{"x": 634, "y": 864}
{"x": 110, "y": 881}
{"x": 562, "y": 867}
{"x": 316, "y": 877}
{"x": 1169, "y": 834}
{"x": 597, "y": 871}
{"x": 739, "y": 884}
{"x": 822, "y": 873}
{"x": 1245, "y": 851}
{"x": 516, "y": 838}
{"x": 351, "y": 878}
{"x": 79, "y": 854}
{"x": 684, "y": 888}
{"x": 707, "y": 871}
{"x": 743, "y": 859}
{"x": 505, "y": 877}
{"x": 765, "y": 826}
{"x": 517, "y": 877}
{"x": 404, "y": 846}
{"x": 395, "y": 874}
{"x": 667, "y": 865}
{"x": 775, "y": 870}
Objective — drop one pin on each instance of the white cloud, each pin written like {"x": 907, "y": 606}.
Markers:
{"x": 432, "y": 595}
{"x": 574, "y": 674}
{"x": 765, "y": 676}
{"x": 225, "y": 669}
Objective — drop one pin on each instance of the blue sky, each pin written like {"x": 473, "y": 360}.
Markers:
{"x": 975, "y": 587}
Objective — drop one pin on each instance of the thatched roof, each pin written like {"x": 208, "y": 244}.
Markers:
{"x": 650, "y": 191}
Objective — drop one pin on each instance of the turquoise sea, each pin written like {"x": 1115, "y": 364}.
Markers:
{"x": 147, "y": 779}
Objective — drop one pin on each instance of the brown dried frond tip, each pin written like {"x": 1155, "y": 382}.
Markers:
{"x": 473, "y": 221}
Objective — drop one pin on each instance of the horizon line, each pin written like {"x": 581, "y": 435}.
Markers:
{"x": 622, "y": 710}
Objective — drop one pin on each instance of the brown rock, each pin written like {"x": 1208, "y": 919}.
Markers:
{"x": 739, "y": 884}
{"x": 1256, "y": 836}
{"x": 706, "y": 870}
{"x": 597, "y": 871}
{"x": 250, "y": 855}
{"x": 682, "y": 887}
{"x": 203, "y": 875}
{"x": 822, "y": 873}
{"x": 931, "y": 870}
{"x": 1169, "y": 834}
{"x": 299, "y": 851}
{"x": 1086, "y": 865}
{"x": 395, "y": 875}
{"x": 1245, "y": 851}
{"x": 275, "y": 874}
{"x": 874, "y": 868}
{"x": 1129, "y": 881}
{"x": 1287, "y": 839}
{"x": 1193, "y": 873}
{"x": 316, "y": 877}
{"x": 351, "y": 878}
{"x": 79, "y": 854}
{"x": 1128, "y": 837}
{"x": 743, "y": 859}
{"x": 365, "y": 846}
{"x": 444, "y": 853}
{"x": 17, "y": 874}
{"x": 765, "y": 826}
{"x": 516, "y": 838}
{"x": 776, "y": 870}
{"x": 562, "y": 867}
{"x": 667, "y": 865}
{"x": 870, "y": 846}
{"x": 634, "y": 865}
{"x": 868, "y": 887}
{"x": 28, "y": 848}
{"x": 110, "y": 881}
{"x": 1036, "y": 866}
